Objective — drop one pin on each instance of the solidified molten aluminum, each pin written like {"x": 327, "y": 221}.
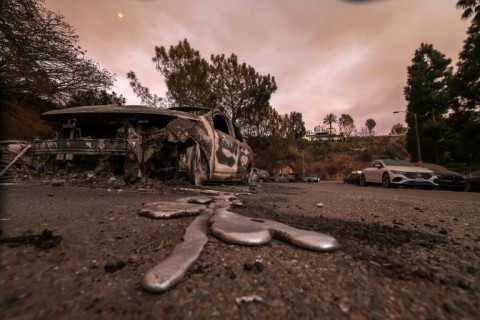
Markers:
{"x": 199, "y": 200}
{"x": 170, "y": 271}
{"x": 226, "y": 225}
{"x": 170, "y": 209}
{"x": 234, "y": 228}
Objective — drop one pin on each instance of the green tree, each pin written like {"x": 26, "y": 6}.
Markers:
{"x": 236, "y": 88}
{"x": 144, "y": 94}
{"x": 398, "y": 128}
{"x": 463, "y": 137}
{"x": 370, "y": 124}
{"x": 329, "y": 120}
{"x": 346, "y": 126}
{"x": 266, "y": 122}
{"x": 467, "y": 77}
{"x": 295, "y": 125}
{"x": 463, "y": 123}
{"x": 96, "y": 97}
{"x": 268, "y": 140}
{"x": 429, "y": 97}
{"x": 187, "y": 75}
{"x": 239, "y": 90}
{"x": 39, "y": 55}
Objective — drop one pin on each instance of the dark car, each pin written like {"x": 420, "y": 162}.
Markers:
{"x": 472, "y": 181}
{"x": 446, "y": 179}
{"x": 352, "y": 177}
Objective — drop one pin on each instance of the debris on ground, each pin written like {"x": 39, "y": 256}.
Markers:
{"x": 44, "y": 241}
{"x": 249, "y": 299}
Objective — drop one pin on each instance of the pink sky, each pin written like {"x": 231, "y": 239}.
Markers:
{"x": 327, "y": 56}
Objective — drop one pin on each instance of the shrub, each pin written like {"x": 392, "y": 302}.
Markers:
{"x": 319, "y": 148}
{"x": 332, "y": 169}
{"x": 390, "y": 153}
{"x": 366, "y": 156}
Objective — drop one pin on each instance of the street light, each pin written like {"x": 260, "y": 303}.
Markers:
{"x": 416, "y": 131}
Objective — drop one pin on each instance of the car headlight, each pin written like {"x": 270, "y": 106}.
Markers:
{"x": 398, "y": 172}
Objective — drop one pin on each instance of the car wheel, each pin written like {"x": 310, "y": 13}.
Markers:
{"x": 468, "y": 187}
{"x": 363, "y": 181}
{"x": 386, "y": 180}
{"x": 198, "y": 166}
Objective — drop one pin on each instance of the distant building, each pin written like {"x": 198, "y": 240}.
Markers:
{"x": 321, "y": 132}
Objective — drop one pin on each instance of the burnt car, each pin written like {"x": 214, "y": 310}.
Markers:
{"x": 446, "y": 179}
{"x": 282, "y": 177}
{"x": 259, "y": 175}
{"x": 138, "y": 141}
{"x": 472, "y": 181}
{"x": 312, "y": 178}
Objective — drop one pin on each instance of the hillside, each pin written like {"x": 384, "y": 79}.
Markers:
{"x": 331, "y": 160}
{"x": 21, "y": 121}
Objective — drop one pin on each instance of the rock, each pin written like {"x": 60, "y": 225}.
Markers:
{"x": 134, "y": 258}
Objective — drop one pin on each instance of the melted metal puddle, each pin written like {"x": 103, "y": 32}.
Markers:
{"x": 214, "y": 211}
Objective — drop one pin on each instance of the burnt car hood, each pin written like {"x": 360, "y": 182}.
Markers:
{"x": 136, "y": 110}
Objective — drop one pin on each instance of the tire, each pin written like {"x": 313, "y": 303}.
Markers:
{"x": 468, "y": 187}
{"x": 198, "y": 171}
{"x": 363, "y": 181}
{"x": 386, "y": 180}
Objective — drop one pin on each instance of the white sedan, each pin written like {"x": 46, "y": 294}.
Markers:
{"x": 391, "y": 173}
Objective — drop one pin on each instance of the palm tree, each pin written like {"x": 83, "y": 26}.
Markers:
{"x": 329, "y": 119}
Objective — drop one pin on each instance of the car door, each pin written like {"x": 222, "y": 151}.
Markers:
{"x": 373, "y": 172}
{"x": 226, "y": 149}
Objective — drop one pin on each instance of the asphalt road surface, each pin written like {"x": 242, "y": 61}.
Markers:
{"x": 405, "y": 254}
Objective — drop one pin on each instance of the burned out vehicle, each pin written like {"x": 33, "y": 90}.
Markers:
{"x": 138, "y": 141}
{"x": 259, "y": 175}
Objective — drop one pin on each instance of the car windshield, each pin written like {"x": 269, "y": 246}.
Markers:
{"x": 391, "y": 162}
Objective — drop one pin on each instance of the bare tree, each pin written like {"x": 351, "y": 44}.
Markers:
{"x": 346, "y": 126}
{"x": 144, "y": 94}
{"x": 39, "y": 55}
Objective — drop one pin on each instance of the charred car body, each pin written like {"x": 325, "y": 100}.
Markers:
{"x": 137, "y": 141}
